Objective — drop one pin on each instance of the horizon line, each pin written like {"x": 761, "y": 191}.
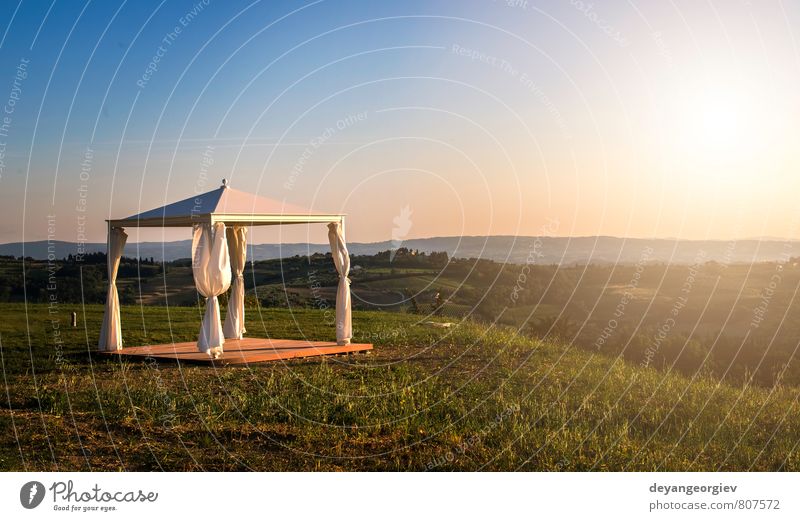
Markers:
{"x": 748, "y": 239}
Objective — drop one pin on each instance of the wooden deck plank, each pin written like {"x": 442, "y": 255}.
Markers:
{"x": 244, "y": 351}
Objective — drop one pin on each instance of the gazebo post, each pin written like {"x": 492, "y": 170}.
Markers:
{"x": 341, "y": 259}
{"x": 111, "y": 329}
{"x": 211, "y": 271}
{"x": 237, "y": 252}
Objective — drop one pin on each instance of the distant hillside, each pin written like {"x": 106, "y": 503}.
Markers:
{"x": 544, "y": 250}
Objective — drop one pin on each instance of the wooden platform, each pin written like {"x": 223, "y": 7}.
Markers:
{"x": 244, "y": 351}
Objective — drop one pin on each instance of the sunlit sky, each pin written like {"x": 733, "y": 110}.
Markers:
{"x": 635, "y": 119}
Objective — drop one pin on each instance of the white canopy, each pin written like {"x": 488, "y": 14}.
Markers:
{"x": 219, "y": 219}
{"x": 228, "y": 205}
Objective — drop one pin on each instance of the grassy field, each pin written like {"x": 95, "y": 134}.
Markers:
{"x": 466, "y": 398}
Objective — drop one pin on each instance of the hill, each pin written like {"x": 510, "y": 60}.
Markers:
{"x": 469, "y": 397}
{"x": 545, "y": 250}
{"x": 736, "y": 322}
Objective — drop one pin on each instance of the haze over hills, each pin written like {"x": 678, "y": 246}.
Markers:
{"x": 538, "y": 250}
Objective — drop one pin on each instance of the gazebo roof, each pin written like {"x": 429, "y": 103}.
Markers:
{"x": 227, "y": 205}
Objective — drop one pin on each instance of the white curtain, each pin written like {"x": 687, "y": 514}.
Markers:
{"x": 341, "y": 258}
{"x": 237, "y": 247}
{"x": 111, "y": 330}
{"x": 212, "y": 276}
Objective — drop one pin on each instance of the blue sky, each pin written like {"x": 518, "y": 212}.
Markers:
{"x": 483, "y": 117}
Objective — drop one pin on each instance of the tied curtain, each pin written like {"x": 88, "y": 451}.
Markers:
{"x": 237, "y": 247}
{"x": 212, "y": 276}
{"x": 341, "y": 258}
{"x": 111, "y": 330}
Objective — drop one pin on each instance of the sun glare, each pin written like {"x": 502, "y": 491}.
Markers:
{"x": 725, "y": 123}
{"x": 719, "y": 124}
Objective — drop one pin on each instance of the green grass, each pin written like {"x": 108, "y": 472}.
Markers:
{"x": 469, "y": 398}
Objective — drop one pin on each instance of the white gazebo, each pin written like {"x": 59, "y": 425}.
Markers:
{"x": 219, "y": 220}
